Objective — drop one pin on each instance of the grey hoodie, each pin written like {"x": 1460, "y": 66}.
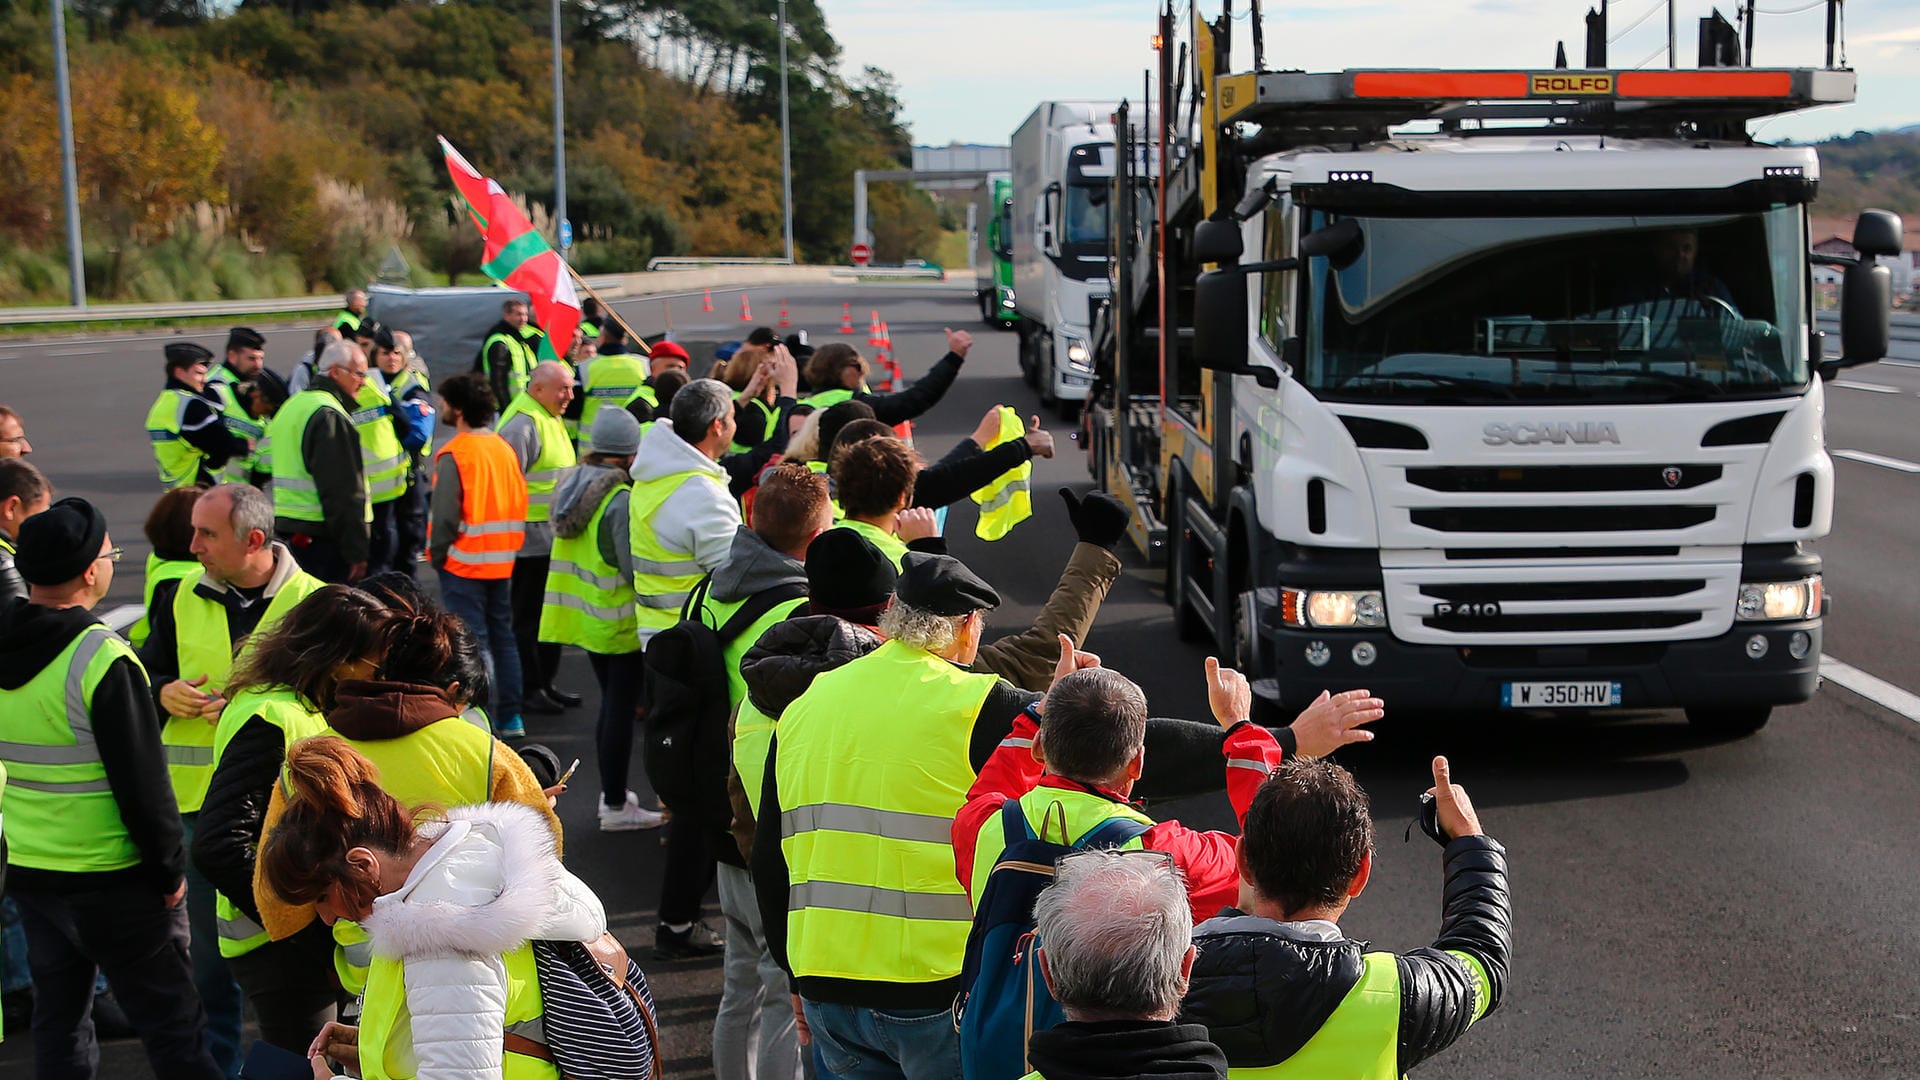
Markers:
{"x": 752, "y": 567}
{"x": 579, "y": 494}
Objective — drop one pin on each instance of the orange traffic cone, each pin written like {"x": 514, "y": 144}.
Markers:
{"x": 846, "y": 318}
{"x": 873, "y": 330}
{"x": 784, "y": 321}
{"x": 746, "y": 313}
{"x": 706, "y": 299}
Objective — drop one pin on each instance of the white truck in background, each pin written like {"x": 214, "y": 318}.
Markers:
{"x": 1062, "y": 185}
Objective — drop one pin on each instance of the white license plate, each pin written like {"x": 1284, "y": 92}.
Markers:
{"x": 1560, "y": 695}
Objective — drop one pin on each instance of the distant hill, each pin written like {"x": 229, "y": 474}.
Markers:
{"x": 1870, "y": 169}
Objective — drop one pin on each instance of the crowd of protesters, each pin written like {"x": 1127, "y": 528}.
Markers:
{"x": 306, "y": 785}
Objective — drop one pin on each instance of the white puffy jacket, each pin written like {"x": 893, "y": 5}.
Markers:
{"x": 490, "y": 882}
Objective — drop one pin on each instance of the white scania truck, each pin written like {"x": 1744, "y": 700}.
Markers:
{"x": 1062, "y": 185}
{"x": 1522, "y": 411}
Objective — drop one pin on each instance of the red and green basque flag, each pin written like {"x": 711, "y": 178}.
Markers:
{"x": 516, "y": 255}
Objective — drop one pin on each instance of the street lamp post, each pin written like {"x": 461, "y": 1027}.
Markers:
{"x": 69, "y": 170}
{"x": 563, "y": 227}
{"x": 786, "y": 144}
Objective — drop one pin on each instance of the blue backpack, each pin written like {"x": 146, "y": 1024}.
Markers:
{"x": 1004, "y": 998}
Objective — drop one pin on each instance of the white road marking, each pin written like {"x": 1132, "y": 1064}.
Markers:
{"x": 1902, "y": 363}
{"x": 74, "y": 352}
{"x": 1876, "y": 690}
{"x": 1876, "y": 459}
{"x": 1871, "y": 388}
{"x": 118, "y": 619}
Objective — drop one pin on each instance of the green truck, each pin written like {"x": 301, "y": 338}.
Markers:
{"x": 993, "y": 252}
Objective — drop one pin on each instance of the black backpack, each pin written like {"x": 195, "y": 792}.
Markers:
{"x": 687, "y": 705}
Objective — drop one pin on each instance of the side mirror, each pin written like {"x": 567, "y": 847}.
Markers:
{"x": 1220, "y": 326}
{"x": 1877, "y": 232}
{"x": 1866, "y": 303}
{"x": 1217, "y": 241}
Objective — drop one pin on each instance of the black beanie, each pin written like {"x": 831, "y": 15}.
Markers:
{"x": 59, "y": 543}
{"x": 845, "y": 572}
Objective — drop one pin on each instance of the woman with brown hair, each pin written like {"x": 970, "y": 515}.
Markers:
{"x": 451, "y": 902}
{"x": 837, "y": 372}
{"x": 407, "y": 719}
{"x": 281, "y": 688}
{"x": 169, "y": 529}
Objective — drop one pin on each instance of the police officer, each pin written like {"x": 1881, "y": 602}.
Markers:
{"x": 191, "y": 443}
{"x": 511, "y": 349}
{"x": 531, "y": 424}
{"x": 24, "y": 492}
{"x": 94, "y": 853}
{"x": 245, "y": 362}
{"x": 247, "y": 584}
{"x": 320, "y": 506}
{"x": 858, "y": 900}
{"x": 384, "y": 461}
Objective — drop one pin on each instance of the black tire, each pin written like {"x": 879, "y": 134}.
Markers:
{"x": 1044, "y": 372}
{"x": 986, "y": 307}
{"x": 1729, "y": 723}
{"x": 1187, "y": 624}
{"x": 1026, "y": 359}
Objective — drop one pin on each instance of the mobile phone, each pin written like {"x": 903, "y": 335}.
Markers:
{"x": 568, "y": 775}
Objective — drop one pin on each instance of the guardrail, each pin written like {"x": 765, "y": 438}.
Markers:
{"x": 895, "y": 273}
{"x": 691, "y": 262}
{"x": 606, "y": 284}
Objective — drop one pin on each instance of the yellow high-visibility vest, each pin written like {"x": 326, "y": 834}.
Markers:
{"x": 1007, "y": 501}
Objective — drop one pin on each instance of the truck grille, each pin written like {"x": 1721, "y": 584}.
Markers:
{"x": 1547, "y": 519}
{"x": 1609, "y": 602}
{"x": 1563, "y": 478}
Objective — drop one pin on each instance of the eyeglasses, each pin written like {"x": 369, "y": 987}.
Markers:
{"x": 1164, "y": 858}
{"x": 111, "y": 555}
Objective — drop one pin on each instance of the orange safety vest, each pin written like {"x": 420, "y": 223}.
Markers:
{"x": 493, "y": 506}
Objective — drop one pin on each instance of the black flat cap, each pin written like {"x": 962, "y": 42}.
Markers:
{"x": 245, "y": 337}
{"x": 59, "y": 543}
{"x": 845, "y": 572}
{"x": 942, "y": 585}
{"x": 186, "y": 354}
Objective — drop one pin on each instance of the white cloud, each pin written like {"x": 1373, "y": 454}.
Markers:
{"x": 971, "y": 70}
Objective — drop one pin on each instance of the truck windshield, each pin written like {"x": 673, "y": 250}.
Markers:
{"x": 1560, "y": 309}
{"x": 1086, "y": 214}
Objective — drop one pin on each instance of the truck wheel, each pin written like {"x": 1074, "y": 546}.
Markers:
{"x": 1730, "y": 723}
{"x": 1026, "y": 358}
{"x": 1045, "y": 374}
{"x": 1187, "y": 624}
{"x": 986, "y": 307}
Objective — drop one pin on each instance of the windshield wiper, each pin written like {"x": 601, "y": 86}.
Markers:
{"x": 1454, "y": 382}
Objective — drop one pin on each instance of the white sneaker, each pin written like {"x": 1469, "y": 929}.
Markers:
{"x": 629, "y": 817}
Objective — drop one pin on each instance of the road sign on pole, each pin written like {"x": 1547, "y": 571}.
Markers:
{"x": 862, "y": 254}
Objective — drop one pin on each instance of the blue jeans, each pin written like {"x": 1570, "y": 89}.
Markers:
{"x": 853, "y": 1043}
{"x": 486, "y": 608}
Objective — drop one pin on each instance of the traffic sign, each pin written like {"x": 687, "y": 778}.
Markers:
{"x": 566, "y": 233}
{"x": 862, "y": 254}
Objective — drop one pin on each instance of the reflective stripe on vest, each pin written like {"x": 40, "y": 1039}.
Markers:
{"x": 177, "y": 459}
{"x": 295, "y": 495}
{"x": 872, "y": 895}
{"x": 612, "y": 380}
{"x": 447, "y": 763}
{"x": 493, "y": 507}
{"x": 60, "y": 810}
{"x": 383, "y": 1056}
{"x": 521, "y": 357}
{"x": 158, "y": 570}
{"x": 202, "y": 647}
{"x": 381, "y": 455}
{"x": 1007, "y": 501}
{"x": 296, "y": 719}
{"x": 1058, "y": 815}
{"x": 1360, "y": 1041}
{"x": 588, "y": 602}
{"x": 556, "y": 454}
{"x": 662, "y": 576}
{"x": 894, "y": 548}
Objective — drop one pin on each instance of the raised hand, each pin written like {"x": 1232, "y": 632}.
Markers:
{"x": 1451, "y": 805}
{"x": 1333, "y": 721}
{"x": 1071, "y": 659}
{"x": 1229, "y": 694}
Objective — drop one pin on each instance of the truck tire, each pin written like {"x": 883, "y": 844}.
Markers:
{"x": 1730, "y": 722}
{"x": 986, "y": 305}
{"x": 1187, "y": 624}
{"x": 1026, "y": 356}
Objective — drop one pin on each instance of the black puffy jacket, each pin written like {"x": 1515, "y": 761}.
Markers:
{"x": 1264, "y": 988}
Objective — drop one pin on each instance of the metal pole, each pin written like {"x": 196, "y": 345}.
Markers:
{"x": 1833, "y": 13}
{"x": 786, "y": 144}
{"x": 561, "y": 224}
{"x": 69, "y": 170}
{"x": 1673, "y": 35}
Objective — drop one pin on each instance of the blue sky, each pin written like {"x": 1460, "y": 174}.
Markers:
{"x": 971, "y": 70}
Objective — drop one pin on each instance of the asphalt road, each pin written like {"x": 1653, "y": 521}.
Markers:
{"x": 1684, "y": 907}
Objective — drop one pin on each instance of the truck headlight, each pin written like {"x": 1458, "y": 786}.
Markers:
{"x": 1332, "y": 609}
{"x": 1765, "y": 601}
{"x": 1078, "y": 354}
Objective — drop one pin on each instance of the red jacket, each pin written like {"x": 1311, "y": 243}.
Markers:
{"x": 1207, "y": 858}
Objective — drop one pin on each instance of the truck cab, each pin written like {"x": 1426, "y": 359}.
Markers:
{"x": 1499, "y": 417}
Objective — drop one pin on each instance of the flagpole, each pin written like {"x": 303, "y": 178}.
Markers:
{"x": 563, "y": 229}
{"x": 632, "y": 334}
